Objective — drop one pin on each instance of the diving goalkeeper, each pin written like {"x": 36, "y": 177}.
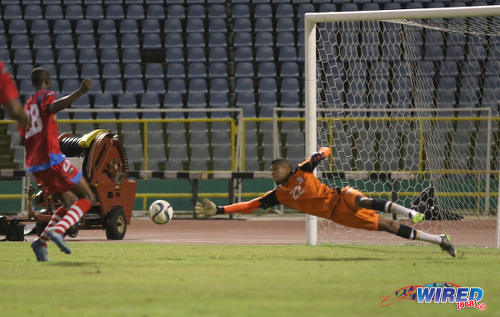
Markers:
{"x": 301, "y": 190}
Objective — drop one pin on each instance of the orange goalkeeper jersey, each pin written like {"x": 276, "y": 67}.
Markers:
{"x": 304, "y": 192}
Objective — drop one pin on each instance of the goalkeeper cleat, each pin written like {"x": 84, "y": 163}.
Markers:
{"x": 418, "y": 218}
{"x": 446, "y": 245}
{"x": 59, "y": 241}
{"x": 40, "y": 251}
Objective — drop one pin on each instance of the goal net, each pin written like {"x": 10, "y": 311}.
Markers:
{"x": 408, "y": 100}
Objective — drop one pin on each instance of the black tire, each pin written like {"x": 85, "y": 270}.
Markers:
{"x": 116, "y": 224}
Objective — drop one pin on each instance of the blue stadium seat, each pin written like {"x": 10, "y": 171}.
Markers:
{"x": 25, "y": 87}
{"x": 108, "y": 40}
{"x": 85, "y": 41}
{"x": 3, "y": 41}
{"x": 348, "y": 6}
{"x": 433, "y": 53}
{"x": 106, "y": 26}
{"x": 217, "y": 25}
{"x": 155, "y": 11}
{"x": 267, "y": 84}
{"x": 24, "y": 71}
{"x": 263, "y": 39}
{"x": 113, "y": 86}
{"x": 61, "y": 27}
{"x": 217, "y": 70}
{"x": 196, "y": 100}
{"x": 246, "y": 100}
{"x": 17, "y": 27}
{"x": 243, "y": 54}
{"x": 67, "y": 71}
{"x": 196, "y": 54}
{"x": 129, "y": 40}
{"x": 90, "y": 70}
{"x": 128, "y": 26}
{"x": 263, "y": 25}
{"x": 154, "y": 70}
{"x": 94, "y": 12}
{"x": 264, "y": 54}
{"x": 219, "y": 85}
{"x": 150, "y": 100}
{"x": 287, "y": 54}
{"x": 244, "y": 84}
{"x": 5, "y": 55}
{"x": 285, "y": 25}
{"x": 217, "y": 39}
{"x": 22, "y": 55}
{"x": 433, "y": 38}
{"x": 111, "y": 70}
{"x": 12, "y": 12}
{"x": 174, "y": 54}
{"x": 447, "y": 83}
{"x": 195, "y": 11}
{"x": 87, "y": 55}
{"x": 74, "y": 12}
{"x": 109, "y": 55}
{"x": 176, "y": 85}
{"x": 20, "y": 41}
{"x": 132, "y": 70}
{"x": 53, "y": 12}
{"x": 195, "y": 25}
{"x": 267, "y": 101}
{"x": 217, "y": 54}
{"x": 197, "y": 70}
{"x": 285, "y": 39}
{"x": 173, "y": 101}
{"x": 134, "y": 86}
{"x": 115, "y": 12}
{"x": 175, "y": 70}
{"x": 218, "y": 100}
{"x": 392, "y": 6}
{"x": 150, "y": 26}
{"x": 195, "y": 39}
{"x": 241, "y": 11}
{"x": 176, "y": 11}
{"x": 327, "y": 7}
{"x": 448, "y": 68}
{"x": 242, "y": 25}
{"x": 289, "y": 84}
{"x": 303, "y": 8}
{"x": 172, "y": 25}
{"x": 39, "y": 27}
{"x": 155, "y": 85}
{"x": 263, "y": 10}
{"x": 216, "y": 11}
{"x": 135, "y": 11}
{"x": 242, "y": 39}
{"x": 84, "y": 26}
{"x": 151, "y": 41}
{"x": 69, "y": 85}
{"x": 244, "y": 69}
{"x": 131, "y": 55}
{"x": 284, "y": 10}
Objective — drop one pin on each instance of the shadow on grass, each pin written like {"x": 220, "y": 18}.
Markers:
{"x": 353, "y": 259}
{"x": 72, "y": 264}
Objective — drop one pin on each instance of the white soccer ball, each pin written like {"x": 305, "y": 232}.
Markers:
{"x": 161, "y": 212}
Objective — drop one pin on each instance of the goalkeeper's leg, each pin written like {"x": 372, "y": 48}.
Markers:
{"x": 389, "y": 206}
{"x": 410, "y": 233}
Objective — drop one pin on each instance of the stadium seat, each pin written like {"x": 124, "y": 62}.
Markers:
{"x": 266, "y": 103}
{"x": 244, "y": 69}
{"x": 61, "y": 27}
{"x": 177, "y": 85}
{"x": 5, "y": 56}
{"x": 156, "y": 86}
{"x": 285, "y": 25}
{"x": 289, "y": 85}
{"x": 217, "y": 25}
{"x": 196, "y": 54}
{"x": 17, "y": 27}
{"x": 266, "y": 69}
{"x": 53, "y": 12}
{"x": 216, "y": 11}
{"x": 263, "y": 25}
{"x": 243, "y": 54}
{"x": 175, "y": 70}
{"x": 39, "y": 27}
{"x": 267, "y": 84}
{"x": 24, "y": 71}
{"x": 195, "y": 39}
{"x": 244, "y": 85}
{"x": 287, "y": 54}
{"x": 128, "y": 26}
{"x": 151, "y": 41}
{"x": 74, "y": 12}
{"x": 197, "y": 85}
{"x": 84, "y": 26}
{"x": 68, "y": 71}
{"x": 175, "y": 11}
{"x": 155, "y": 11}
{"x": 20, "y": 41}
{"x": 85, "y": 41}
{"x": 90, "y": 70}
{"x": 132, "y": 70}
{"x": 246, "y": 100}
{"x": 196, "y": 11}
{"x": 194, "y": 25}
{"x": 135, "y": 12}
{"x": 172, "y": 25}
{"x": 218, "y": 100}
{"x": 131, "y": 55}
{"x": 94, "y": 12}
{"x": 134, "y": 86}
{"x": 111, "y": 70}
{"x": 217, "y": 54}
{"x": 150, "y": 26}
{"x": 115, "y": 12}
{"x": 264, "y": 39}
{"x": 242, "y": 39}
{"x": 22, "y": 55}
{"x": 150, "y": 100}
{"x": 284, "y": 11}
{"x": 242, "y": 25}
{"x": 219, "y": 85}
{"x": 217, "y": 39}
{"x": 264, "y": 54}
{"x": 241, "y": 11}
{"x": 217, "y": 70}
{"x": 12, "y": 12}
{"x": 173, "y": 101}
{"x": 113, "y": 86}
{"x": 154, "y": 70}
{"x": 129, "y": 40}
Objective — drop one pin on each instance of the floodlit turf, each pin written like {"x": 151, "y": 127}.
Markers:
{"x": 116, "y": 279}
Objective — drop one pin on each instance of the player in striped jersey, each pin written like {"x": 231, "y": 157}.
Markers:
{"x": 301, "y": 190}
{"x": 49, "y": 166}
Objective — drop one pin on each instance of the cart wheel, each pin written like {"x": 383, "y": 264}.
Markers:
{"x": 39, "y": 227}
{"x": 73, "y": 231}
{"x": 116, "y": 224}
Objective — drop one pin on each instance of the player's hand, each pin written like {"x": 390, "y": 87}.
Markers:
{"x": 321, "y": 154}
{"x": 86, "y": 85}
{"x": 205, "y": 209}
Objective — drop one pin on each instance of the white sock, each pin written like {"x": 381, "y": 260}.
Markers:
{"x": 432, "y": 238}
{"x": 402, "y": 210}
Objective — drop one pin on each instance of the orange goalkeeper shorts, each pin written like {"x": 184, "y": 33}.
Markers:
{"x": 347, "y": 213}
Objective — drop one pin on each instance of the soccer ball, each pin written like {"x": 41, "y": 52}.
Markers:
{"x": 161, "y": 212}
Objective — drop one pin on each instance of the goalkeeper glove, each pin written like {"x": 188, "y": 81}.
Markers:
{"x": 205, "y": 209}
{"x": 321, "y": 154}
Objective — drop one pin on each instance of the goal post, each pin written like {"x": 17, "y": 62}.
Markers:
{"x": 409, "y": 102}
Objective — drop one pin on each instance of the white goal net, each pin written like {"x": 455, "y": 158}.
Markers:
{"x": 408, "y": 100}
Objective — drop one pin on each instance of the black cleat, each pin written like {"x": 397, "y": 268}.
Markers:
{"x": 446, "y": 245}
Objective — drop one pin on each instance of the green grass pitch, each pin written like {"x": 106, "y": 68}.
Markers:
{"x": 119, "y": 279}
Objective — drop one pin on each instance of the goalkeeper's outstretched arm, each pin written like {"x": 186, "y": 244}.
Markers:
{"x": 207, "y": 208}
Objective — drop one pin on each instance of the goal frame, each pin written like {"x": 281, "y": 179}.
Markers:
{"x": 310, "y": 21}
